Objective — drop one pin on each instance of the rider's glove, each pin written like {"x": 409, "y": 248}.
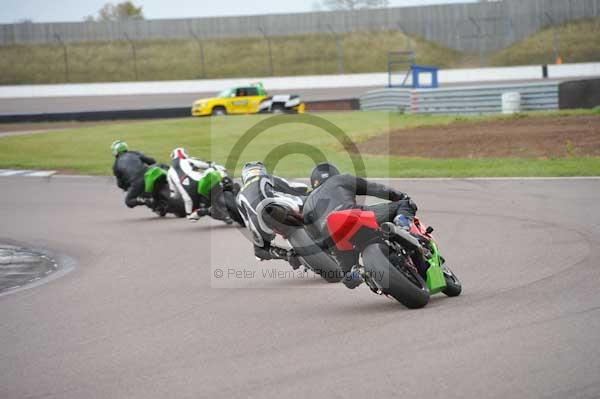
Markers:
{"x": 413, "y": 205}
{"x": 398, "y": 196}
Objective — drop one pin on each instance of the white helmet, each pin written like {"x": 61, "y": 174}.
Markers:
{"x": 179, "y": 153}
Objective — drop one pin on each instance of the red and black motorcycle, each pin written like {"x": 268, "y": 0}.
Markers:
{"x": 403, "y": 264}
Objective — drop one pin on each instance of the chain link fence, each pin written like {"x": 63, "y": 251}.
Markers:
{"x": 278, "y": 45}
{"x": 464, "y": 27}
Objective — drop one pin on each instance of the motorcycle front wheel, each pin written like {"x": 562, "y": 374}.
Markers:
{"x": 453, "y": 285}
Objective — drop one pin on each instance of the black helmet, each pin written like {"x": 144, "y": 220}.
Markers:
{"x": 252, "y": 169}
{"x": 322, "y": 172}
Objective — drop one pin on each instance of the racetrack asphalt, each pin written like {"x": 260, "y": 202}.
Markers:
{"x": 43, "y": 105}
{"x": 140, "y": 317}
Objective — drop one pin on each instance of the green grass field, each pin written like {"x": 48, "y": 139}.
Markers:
{"x": 86, "y": 150}
{"x": 577, "y": 42}
{"x": 180, "y": 59}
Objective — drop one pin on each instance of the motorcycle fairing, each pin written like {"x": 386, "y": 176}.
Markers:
{"x": 210, "y": 179}
{"x": 151, "y": 176}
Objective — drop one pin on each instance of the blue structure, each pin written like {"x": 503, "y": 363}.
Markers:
{"x": 404, "y": 62}
{"x": 418, "y": 70}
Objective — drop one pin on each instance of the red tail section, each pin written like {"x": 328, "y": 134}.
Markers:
{"x": 343, "y": 225}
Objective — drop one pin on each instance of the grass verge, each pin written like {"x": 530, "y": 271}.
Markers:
{"x": 86, "y": 150}
{"x": 181, "y": 59}
{"x": 577, "y": 41}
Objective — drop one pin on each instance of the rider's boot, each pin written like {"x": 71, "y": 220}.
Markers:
{"x": 293, "y": 259}
{"x": 148, "y": 201}
{"x": 219, "y": 214}
{"x": 198, "y": 213}
{"x": 352, "y": 279}
{"x": 262, "y": 253}
{"x": 285, "y": 254}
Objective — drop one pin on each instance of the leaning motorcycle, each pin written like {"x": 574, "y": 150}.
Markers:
{"x": 391, "y": 255}
{"x": 217, "y": 187}
{"x": 157, "y": 188}
{"x": 282, "y": 216}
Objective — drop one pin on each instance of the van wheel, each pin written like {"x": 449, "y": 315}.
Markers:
{"x": 219, "y": 111}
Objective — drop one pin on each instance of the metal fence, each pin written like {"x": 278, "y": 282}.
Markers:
{"x": 471, "y": 27}
{"x": 461, "y": 100}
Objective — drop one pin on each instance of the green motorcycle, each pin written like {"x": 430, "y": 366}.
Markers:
{"x": 390, "y": 254}
{"x": 157, "y": 188}
{"x": 218, "y": 193}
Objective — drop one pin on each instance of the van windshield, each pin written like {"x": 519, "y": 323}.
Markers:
{"x": 226, "y": 93}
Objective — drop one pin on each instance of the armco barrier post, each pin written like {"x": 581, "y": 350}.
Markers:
{"x": 268, "y": 40}
{"x": 414, "y": 102}
{"x": 339, "y": 50}
{"x": 132, "y": 44}
{"x": 65, "y": 55}
{"x": 201, "y": 46}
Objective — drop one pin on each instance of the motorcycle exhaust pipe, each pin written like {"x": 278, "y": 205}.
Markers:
{"x": 391, "y": 231}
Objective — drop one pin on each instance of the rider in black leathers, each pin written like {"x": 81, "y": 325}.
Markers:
{"x": 258, "y": 185}
{"x": 129, "y": 168}
{"x": 333, "y": 191}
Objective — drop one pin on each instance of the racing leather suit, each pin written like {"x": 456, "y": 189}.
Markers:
{"x": 250, "y": 195}
{"x": 129, "y": 168}
{"x": 339, "y": 193}
{"x": 183, "y": 177}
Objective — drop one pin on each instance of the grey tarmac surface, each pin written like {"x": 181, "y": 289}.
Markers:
{"x": 138, "y": 317}
{"x": 15, "y": 106}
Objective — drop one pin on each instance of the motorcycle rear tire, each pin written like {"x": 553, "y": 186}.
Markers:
{"x": 317, "y": 259}
{"x": 412, "y": 293}
{"x": 171, "y": 205}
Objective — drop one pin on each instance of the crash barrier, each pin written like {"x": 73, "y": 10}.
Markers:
{"x": 389, "y": 99}
{"x": 462, "y": 100}
{"x": 350, "y": 104}
{"x": 158, "y": 113}
{"x": 291, "y": 83}
{"x": 579, "y": 94}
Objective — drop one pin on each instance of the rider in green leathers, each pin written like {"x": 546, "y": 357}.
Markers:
{"x": 129, "y": 168}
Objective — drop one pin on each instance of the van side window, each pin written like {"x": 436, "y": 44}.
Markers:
{"x": 251, "y": 91}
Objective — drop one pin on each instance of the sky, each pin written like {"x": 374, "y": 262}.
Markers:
{"x": 75, "y": 10}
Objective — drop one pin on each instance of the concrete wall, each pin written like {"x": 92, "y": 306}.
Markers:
{"x": 469, "y": 27}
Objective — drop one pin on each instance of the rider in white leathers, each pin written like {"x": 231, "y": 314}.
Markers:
{"x": 183, "y": 178}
